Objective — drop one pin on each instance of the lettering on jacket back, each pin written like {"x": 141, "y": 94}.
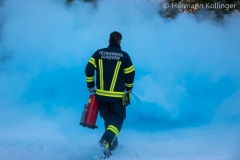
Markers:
{"x": 110, "y": 55}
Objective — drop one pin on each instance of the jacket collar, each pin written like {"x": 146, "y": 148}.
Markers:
{"x": 114, "y": 44}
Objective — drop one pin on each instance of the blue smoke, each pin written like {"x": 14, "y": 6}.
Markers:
{"x": 187, "y": 71}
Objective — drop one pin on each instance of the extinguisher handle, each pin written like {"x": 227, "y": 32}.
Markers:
{"x": 94, "y": 91}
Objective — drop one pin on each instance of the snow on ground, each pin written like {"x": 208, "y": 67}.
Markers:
{"x": 38, "y": 140}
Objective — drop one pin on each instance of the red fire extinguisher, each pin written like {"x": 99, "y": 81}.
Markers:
{"x": 90, "y": 112}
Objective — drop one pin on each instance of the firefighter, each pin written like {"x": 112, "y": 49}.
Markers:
{"x": 114, "y": 82}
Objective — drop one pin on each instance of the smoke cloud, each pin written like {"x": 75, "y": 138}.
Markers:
{"x": 187, "y": 71}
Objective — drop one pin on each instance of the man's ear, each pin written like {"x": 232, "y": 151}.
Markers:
{"x": 119, "y": 42}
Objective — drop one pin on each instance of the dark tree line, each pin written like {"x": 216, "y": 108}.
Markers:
{"x": 171, "y": 8}
{"x": 217, "y": 8}
{"x": 88, "y": 1}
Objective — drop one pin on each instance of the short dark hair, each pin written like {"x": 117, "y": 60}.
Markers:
{"x": 115, "y": 36}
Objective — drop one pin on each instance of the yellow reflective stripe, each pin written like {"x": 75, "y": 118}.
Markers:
{"x": 106, "y": 144}
{"x": 92, "y": 61}
{"x": 101, "y": 73}
{"x": 90, "y": 79}
{"x": 110, "y": 93}
{"x": 113, "y": 129}
{"x": 115, "y": 75}
{"x": 129, "y": 69}
{"x": 129, "y": 85}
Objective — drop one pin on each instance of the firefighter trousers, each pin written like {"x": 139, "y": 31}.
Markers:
{"x": 113, "y": 114}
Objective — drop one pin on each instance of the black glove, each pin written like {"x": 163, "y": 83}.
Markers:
{"x": 126, "y": 99}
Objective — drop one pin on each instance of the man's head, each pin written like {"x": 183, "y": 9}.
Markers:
{"x": 115, "y": 37}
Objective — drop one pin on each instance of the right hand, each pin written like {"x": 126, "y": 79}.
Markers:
{"x": 130, "y": 91}
{"x": 126, "y": 98}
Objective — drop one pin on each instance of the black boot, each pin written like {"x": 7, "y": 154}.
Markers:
{"x": 114, "y": 145}
{"x": 105, "y": 148}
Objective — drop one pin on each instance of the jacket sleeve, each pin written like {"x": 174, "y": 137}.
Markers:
{"x": 89, "y": 71}
{"x": 129, "y": 72}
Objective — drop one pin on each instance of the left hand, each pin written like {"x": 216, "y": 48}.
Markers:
{"x": 90, "y": 90}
